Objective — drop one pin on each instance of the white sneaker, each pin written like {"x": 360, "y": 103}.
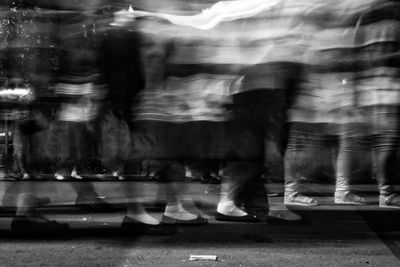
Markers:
{"x": 230, "y": 209}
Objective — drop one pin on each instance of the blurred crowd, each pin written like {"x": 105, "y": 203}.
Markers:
{"x": 202, "y": 89}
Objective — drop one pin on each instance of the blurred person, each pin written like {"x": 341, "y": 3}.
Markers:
{"x": 270, "y": 46}
{"x": 243, "y": 140}
{"x": 378, "y": 97}
{"x": 75, "y": 131}
{"x": 364, "y": 109}
{"x": 322, "y": 109}
{"x": 24, "y": 70}
{"x": 123, "y": 77}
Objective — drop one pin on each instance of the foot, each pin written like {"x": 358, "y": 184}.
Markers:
{"x": 180, "y": 215}
{"x": 74, "y": 174}
{"x": 59, "y": 177}
{"x": 31, "y": 176}
{"x": 389, "y": 201}
{"x": 117, "y": 174}
{"x": 296, "y": 199}
{"x": 144, "y": 217}
{"x": 229, "y": 208}
{"x": 348, "y": 198}
{"x": 228, "y": 211}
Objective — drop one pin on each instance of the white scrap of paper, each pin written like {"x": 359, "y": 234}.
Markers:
{"x": 203, "y": 257}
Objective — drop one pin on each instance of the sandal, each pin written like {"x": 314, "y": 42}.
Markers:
{"x": 297, "y": 199}
{"x": 348, "y": 198}
{"x": 389, "y": 201}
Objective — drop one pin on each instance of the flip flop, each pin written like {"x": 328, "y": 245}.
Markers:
{"x": 300, "y": 200}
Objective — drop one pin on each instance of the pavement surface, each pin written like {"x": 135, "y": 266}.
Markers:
{"x": 329, "y": 235}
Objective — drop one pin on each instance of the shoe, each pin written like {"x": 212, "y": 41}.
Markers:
{"x": 132, "y": 226}
{"x": 172, "y": 221}
{"x": 348, "y": 198}
{"x": 25, "y": 176}
{"x": 31, "y": 176}
{"x": 296, "y": 199}
{"x": 75, "y": 175}
{"x": 59, "y": 177}
{"x": 228, "y": 218}
{"x": 389, "y": 201}
{"x": 116, "y": 174}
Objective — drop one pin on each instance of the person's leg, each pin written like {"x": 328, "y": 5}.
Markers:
{"x": 243, "y": 161}
{"x": 385, "y": 142}
{"x": 135, "y": 210}
{"x": 298, "y": 149}
{"x": 28, "y": 220}
{"x": 384, "y": 147}
{"x": 175, "y": 212}
{"x": 139, "y": 220}
{"x": 63, "y": 145}
{"x": 350, "y": 143}
{"x": 252, "y": 197}
{"x": 20, "y": 148}
{"x": 26, "y": 202}
{"x": 81, "y": 147}
{"x": 235, "y": 176}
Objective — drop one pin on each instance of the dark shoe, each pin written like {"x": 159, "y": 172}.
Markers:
{"x": 172, "y": 221}
{"x": 37, "y": 226}
{"x": 132, "y": 226}
{"x": 247, "y": 218}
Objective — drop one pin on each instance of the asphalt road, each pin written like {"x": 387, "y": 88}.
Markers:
{"x": 328, "y": 236}
{"x": 323, "y": 238}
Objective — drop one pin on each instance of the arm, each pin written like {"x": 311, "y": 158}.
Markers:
{"x": 209, "y": 18}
